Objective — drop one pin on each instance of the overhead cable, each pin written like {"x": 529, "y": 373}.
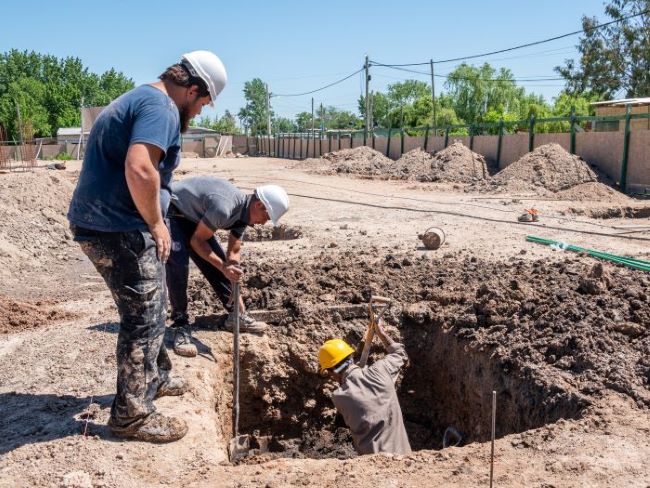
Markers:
{"x": 529, "y": 44}
{"x": 317, "y": 89}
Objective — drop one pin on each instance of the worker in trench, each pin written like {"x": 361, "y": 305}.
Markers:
{"x": 200, "y": 206}
{"x": 117, "y": 215}
{"x": 366, "y": 397}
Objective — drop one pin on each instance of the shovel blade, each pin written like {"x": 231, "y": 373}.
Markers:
{"x": 238, "y": 447}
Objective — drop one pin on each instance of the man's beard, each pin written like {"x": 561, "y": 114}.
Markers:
{"x": 185, "y": 118}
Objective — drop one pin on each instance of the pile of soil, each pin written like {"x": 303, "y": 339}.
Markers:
{"x": 414, "y": 165}
{"x": 457, "y": 164}
{"x": 569, "y": 331}
{"x": 33, "y": 225}
{"x": 361, "y": 161}
{"x": 16, "y": 316}
{"x": 549, "y": 167}
{"x": 594, "y": 191}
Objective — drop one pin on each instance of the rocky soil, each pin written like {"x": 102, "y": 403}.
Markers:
{"x": 549, "y": 167}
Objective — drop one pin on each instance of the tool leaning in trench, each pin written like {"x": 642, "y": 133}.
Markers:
{"x": 382, "y": 304}
{"x": 239, "y": 445}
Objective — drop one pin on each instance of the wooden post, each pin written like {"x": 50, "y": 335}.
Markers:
{"x": 499, "y": 143}
{"x": 573, "y": 131}
{"x": 390, "y": 130}
{"x": 426, "y": 138}
{"x": 531, "y": 133}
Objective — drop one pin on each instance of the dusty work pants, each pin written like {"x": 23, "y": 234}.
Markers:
{"x": 178, "y": 269}
{"x": 129, "y": 264}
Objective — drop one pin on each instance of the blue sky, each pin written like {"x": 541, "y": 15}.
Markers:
{"x": 298, "y": 46}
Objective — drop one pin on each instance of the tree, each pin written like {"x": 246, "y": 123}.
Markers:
{"x": 227, "y": 124}
{"x": 50, "y": 91}
{"x": 254, "y": 115}
{"x": 283, "y": 124}
{"x": 479, "y": 90}
{"x": 303, "y": 121}
{"x": 615, "y": 58}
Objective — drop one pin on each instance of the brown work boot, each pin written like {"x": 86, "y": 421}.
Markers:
{"x": 175, "y": 386}
{"x": 155, "y": 428}
{"x": 183, "y": 345}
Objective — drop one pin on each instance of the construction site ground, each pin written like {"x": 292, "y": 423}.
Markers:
{"x": 563, "y": 340}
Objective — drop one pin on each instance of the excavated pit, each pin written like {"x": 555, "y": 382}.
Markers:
{"x": 445, "y": 385}
{"x": 547, "y": 337}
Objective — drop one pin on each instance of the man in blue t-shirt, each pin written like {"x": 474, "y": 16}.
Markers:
{"x": 117, "y": 215}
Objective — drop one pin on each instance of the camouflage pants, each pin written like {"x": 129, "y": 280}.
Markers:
{"x": 130, "y": 267}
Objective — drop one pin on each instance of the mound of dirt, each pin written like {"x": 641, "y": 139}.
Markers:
{"x": 361, "y": 161}
{"x": 594, "y": 191}
{"x": 457, "y": 164}
{"x": 548, "y": 167}
{"x": 16, "y": 316}
{"x": 33, "y": 224}
{"x": 413, "y": 165}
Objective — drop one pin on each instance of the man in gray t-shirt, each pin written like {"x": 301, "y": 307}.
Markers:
{"x": 201, "y": 205}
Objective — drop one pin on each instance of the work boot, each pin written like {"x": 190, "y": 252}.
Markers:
{"x": 155, "y": 427}
{"x": 247, "y": 324}
{"x": 175, "y": 386}
{"x": 183, "y": 345}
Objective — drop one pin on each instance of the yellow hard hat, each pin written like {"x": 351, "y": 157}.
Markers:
{"x": 333, "y": 352}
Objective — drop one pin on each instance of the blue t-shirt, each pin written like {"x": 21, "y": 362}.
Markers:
{"x": 102, "y": 200}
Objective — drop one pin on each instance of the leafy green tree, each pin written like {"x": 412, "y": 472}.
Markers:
{"x": 479, "y": 90}
{"x": 303, "y": 121}
{"x": 253, "y": 114}
{"x": 50, "y": 91}
{"x": 227, "y": 124}
{"x": 614, "y": 58}
{"x": 283, "y": 124}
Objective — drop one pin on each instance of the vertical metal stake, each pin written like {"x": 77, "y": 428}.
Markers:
{"x": 494, "y": 414}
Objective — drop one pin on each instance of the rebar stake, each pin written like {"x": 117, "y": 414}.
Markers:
{"x": 494, "y": 414}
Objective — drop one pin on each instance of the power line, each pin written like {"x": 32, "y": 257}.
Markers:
{"x": 447, "y": 76}
{"x": 529, "y": 44}
{"x": 274, "y": 95}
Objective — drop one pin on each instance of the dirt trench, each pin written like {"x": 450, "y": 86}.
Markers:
{"x": 469, "y": 327}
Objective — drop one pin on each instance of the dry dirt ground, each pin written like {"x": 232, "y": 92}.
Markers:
{"x": 564, "y": 340}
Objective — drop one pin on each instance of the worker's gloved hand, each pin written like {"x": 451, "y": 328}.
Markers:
{"x": 233, "y": 272}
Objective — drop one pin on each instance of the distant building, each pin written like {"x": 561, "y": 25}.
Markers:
{"x": 618, "y": 107}
{"x": 69, "y": 134}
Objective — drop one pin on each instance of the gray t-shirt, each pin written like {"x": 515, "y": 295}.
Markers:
{"x": 217, "y": 203}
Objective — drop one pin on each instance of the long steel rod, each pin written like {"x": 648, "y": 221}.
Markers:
{"x": 235, "y": 406}
{"x": 494, "y": 414}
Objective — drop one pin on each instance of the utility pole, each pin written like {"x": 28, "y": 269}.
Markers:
{"x": 322, "y": 119}
{"x": 268, "y": 114}
{"x": 313, "y": 135}
{"x": 370, "y": 111}
{"x": 367, "y": 71}
{"x": 433, "y": 96}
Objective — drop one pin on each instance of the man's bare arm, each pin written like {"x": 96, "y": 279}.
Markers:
{"x": 143, "y": 180}
{"x": 233, "y": 254}
{"x": 199, "y": 243}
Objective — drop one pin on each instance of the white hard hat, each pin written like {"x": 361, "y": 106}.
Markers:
{"x": 207, "y": 66}
{"x": 275, "y": 200}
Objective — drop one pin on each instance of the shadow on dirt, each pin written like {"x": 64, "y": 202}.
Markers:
{"x": 33, "y": 418}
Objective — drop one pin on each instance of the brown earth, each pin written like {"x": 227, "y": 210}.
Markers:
{"x": 16, "y": 316}
{"x": 563, "y": 340}
{"x": 457, "y": 164}
{"x": 595, "y": 192}
{"x": 361, "y": 161}
{"x": 549, "y": 167}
